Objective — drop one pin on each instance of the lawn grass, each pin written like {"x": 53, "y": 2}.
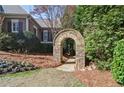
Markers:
{"x": 41, "y": 77}
{"x": 78, "y": 84}
{"x": 19, "y": 74}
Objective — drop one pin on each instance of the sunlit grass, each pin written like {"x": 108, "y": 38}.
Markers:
{"x": 20, "y": 74}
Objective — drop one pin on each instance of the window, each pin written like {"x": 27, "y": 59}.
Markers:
{"x": 46, "y": 36}
{"x": 15, "y": 25}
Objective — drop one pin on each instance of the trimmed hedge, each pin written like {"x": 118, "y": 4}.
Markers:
{"x": 118, "y": 62}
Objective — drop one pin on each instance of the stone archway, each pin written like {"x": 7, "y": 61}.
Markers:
{"x": 79, "y": 42}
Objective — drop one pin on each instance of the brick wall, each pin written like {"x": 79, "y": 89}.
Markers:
{"x": 7, "y": 24}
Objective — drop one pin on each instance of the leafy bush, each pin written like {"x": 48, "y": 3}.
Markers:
{"x": 101, "y": 27}
{"x": 46, "y": 48}
{"x": 6, "y": 41}
{"x": 32, "y": 43}
{"x": 25, "y": 42}
{"x": 103, "y": 65}
{"x": 100, "y": 46}
{"x": 118, "y": 62}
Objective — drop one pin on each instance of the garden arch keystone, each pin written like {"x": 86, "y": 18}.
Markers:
{"x": 79, "y": 42}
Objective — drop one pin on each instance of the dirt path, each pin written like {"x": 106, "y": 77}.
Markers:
{"x": 66, "y": 67}
{"x": 43, "y": 77}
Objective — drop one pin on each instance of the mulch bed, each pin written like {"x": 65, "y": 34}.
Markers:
{"x": 96, "y": 78}
{"x": 91, "y": 78}
{"x": 39, "y": 60}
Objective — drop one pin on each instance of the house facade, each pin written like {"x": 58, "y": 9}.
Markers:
{"x": 17, "y": 20}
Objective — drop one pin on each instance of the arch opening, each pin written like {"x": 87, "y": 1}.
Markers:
{"x": 69, "y": 35}
{"x": 68, "y": 50}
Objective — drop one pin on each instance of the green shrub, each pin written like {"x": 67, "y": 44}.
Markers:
{"x": 25, "y": 42}
{"x": 29, "y": 34}
{"x": 99, "y": 47}
{"x": 103, "y": 65}
{"x": 6, "y": 41}
{"x": 32, "y": 43}
{"x": 46, "y": 48}
{"x": 101, "y": 27}
{"x": 118, "y": 62}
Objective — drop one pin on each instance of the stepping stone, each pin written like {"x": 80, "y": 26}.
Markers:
{"x": 66, "y": 67}
{"x": 71, "y": 60}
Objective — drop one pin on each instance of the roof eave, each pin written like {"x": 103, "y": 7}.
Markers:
{"x": 16, "y": 14}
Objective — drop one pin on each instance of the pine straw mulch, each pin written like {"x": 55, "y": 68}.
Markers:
{"x": 39, "y": 60}
{"x": 91, "y": 78}
{"x": 96, "y": 78}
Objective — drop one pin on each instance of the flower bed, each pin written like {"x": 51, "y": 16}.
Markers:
{"x": 13, "y": 66}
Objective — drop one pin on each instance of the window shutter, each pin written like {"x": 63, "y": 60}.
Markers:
{"x": 41, "y": 35}
{"x": 20, "y": 26}
{"x": 49, "y": 35}
{"x": 9, "y": 26}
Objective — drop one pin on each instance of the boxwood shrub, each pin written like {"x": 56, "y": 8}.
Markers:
{"x": 118, "y": 62}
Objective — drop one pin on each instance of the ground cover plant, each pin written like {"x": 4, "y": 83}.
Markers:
{"x": 13, "y": 66}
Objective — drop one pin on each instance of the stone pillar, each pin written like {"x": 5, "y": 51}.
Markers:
{"x": 57, "y": 53}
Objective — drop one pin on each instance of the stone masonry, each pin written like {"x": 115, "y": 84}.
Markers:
{"x": 79, "y": 42}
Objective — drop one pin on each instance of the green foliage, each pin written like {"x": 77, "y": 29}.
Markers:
{"x": 118, "y": 62}
{"x": 103, "y": 65}
{"x": 69, "y": 47}
{"x": 101, "y": 27}
{"x": 104, "y": 17}
{"x": 6, "y": 41}
{"x": 29, "y": 35}
{"x": 100, "y": 45}
{"x": 13, "y": 66}
{"x": 46, "y": 48}
{"x": 25, "y": 42}
{"x": 32, "y": 43}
